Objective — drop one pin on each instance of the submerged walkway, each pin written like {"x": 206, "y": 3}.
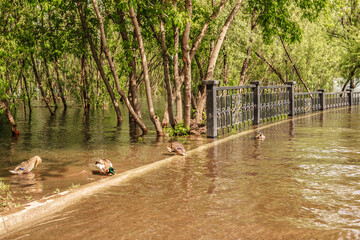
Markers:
{"x": 302, "y": 181}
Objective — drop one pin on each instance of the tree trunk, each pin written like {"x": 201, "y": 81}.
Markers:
{"x": 132, "y": 75}
{"x": 50, "y": 83}
{"x": 205, "y": 27}
{"x": 212, "y": 61}
{"x": 27, "y": 94}
{"x": 113, "y": 70}
{"x": 167, "y": 74}
{"x": 187, "y": 66}
{"x": 40, "y": 85}
{"x": 99, "y": 63}
{"x": 153, "y": 116}
{"x": 245, "y": 64}
{"x": 225, "y": 67}
{"x": 56, "y": 67}
{"x": 4, "y": 105}
{"x": 350, "y": 79}
{"x": 248, "y": 52}
{"x": 84, "y": 94}
{"x": 180, "y": 76}
{"x": 22, "y": 87}
{"x": 294, "y": 66}
{"x": 200, "y": 69}
{"x": 275, "y": 70}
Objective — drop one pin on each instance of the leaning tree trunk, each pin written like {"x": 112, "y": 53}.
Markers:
{"x": 273, "y": 68}
{"x": 248, "y": 52}
{"x": 154, "y": 118}
{"x": 295, "y": 68}
{"x": 132, "y": 75}
{"x": 350, "y": 78}
{"x": 4, "y": 105}
{"x": 98, "y": 62}
{"x": 113, "y": 70}
{"x": 212, "y": 61}
{"x": 40, "y": 85}
{"x": 205, "y": 27}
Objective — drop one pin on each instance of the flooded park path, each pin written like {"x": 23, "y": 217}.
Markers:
{"x": 301, "y": 182}
{"x": 69, "y": 144}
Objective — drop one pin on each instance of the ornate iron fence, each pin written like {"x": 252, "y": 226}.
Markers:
{"x": 274, "y": 103}
{"x": 307, "y": 102}
{"x": 356, "y": 98}
{"x": 233, "y": 108}
{"x": 336, "y": 99}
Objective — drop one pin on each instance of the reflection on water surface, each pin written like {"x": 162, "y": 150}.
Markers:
{"x": 301, "y": 182}
{"x": 69, "y": 144}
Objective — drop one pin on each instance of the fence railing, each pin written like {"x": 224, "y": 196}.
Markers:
{"x": 234, "y": 108}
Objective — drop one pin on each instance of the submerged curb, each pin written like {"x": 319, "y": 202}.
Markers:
{"x": 41, "y": 208}
{"x": 38, "y": 209}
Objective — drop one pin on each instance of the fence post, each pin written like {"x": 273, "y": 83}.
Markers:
{"x": 211, "y": 108}
{"x": 322, "y": 99}
{"x": 291, "y": 90}
{"x": 256, "y": 102}
{"x": 350, "y": 95}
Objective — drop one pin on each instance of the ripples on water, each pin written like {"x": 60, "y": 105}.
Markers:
{"x": 301, "y": 182}
{"x": 69, "y": 144}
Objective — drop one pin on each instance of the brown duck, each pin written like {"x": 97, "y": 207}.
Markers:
{"x": 27, "y": 166}
{"x": 177, "y": 148}
{"x": 105, "y": 166}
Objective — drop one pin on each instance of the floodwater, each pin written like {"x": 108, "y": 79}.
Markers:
{"x": 69, "y": 144}
{"x": 301, "y": 182}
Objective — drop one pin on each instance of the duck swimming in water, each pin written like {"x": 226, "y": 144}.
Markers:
{"x": 260, "y": 136}
{"x": 27, "y": 166}
{"x": 105, "y": 166}
{"x": 177, "y": 148}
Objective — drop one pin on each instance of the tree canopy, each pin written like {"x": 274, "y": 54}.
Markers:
{"x": 95, "y": 52}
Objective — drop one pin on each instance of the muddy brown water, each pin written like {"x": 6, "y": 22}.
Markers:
{"x": 301, "y": 182}
{"x": 69, "y": 145}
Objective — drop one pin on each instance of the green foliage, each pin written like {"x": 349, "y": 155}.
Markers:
{"x": 4, "y": 85}
{"x": 278, "y": 18}
{"x": 179, "y": 130}
{"x": 323, "y": 44}
{"x": 343, "y": 28}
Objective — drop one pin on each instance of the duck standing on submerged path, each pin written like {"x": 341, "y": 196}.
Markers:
{"x": 27, "y": 166}
{"x": 260, "y": 136}
{"x": 177, "y": 148}
{"x": 105, "y": 166}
